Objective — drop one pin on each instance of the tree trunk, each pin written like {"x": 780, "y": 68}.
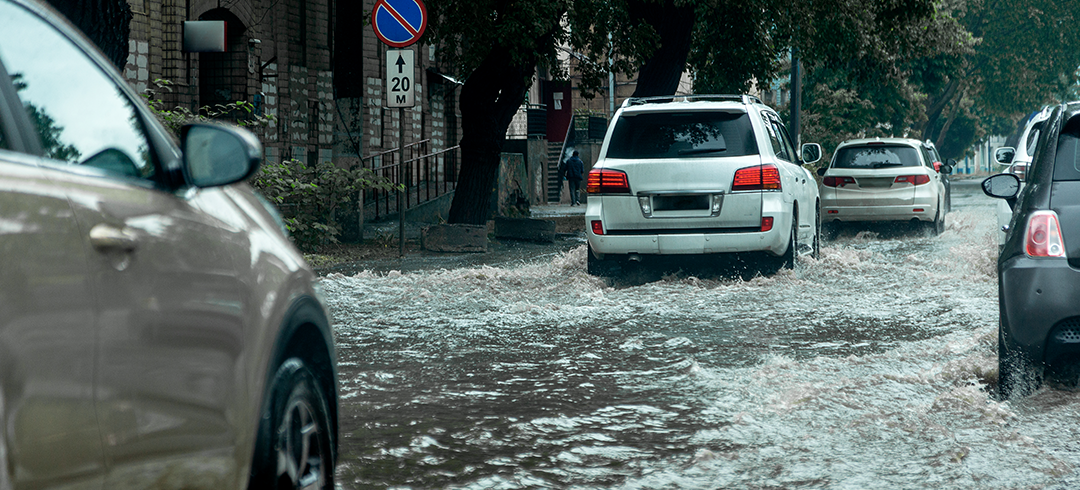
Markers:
{"x": 661, "y": 73}
{"x": 489, "y": 99}
{"x": 934, "y": 107}
{"x": 106, "y": 22}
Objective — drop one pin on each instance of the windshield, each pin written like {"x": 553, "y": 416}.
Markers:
{"x": 877, "y": 156}
{"x": 682, "y": 135}
{"x": 1067, "y": 160}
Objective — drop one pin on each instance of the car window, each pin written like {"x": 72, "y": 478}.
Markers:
{"x": 1033, "y": 138}
{"x": 80, "y": 115}
{"x": 774, "y": 137}
{"x": 877, "y": 156}
{"x": 682, "y": 135}
{"x": 789, "y": 149}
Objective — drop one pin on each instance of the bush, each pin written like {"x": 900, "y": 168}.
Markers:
{"x": 310, "y": 198}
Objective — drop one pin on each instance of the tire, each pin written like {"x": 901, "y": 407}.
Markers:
{"x": 295, "y": 447}
{"x": 1017, "y": 375}
{"x": 816, "y": 252}
{"x": 936, "y": 227}
{"x": 600, "y": 267}
{"x": 787, "y": 261}
{"x": 829, "y": 230}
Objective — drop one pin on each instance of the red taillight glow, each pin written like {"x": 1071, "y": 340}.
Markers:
{"x": 913, "y": 179}
{"x": 758, "y": 178}
{"x": 604, "y": 181}
{"x": 1043, "y": 235}
{"x": 597, "y": 227}
{"x": 837, "y": 181}
{"x": 766, "y": 223}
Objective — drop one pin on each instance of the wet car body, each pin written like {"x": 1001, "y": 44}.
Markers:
{"x": 155, "y": 321}
{"x": 1039, "y": 265}
{"x": 700, "y": 176}
{"x": 882, "y": 180}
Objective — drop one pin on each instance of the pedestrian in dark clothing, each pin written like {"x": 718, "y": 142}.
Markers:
{"x": 574, "y": 170}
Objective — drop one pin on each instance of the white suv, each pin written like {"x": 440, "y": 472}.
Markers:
{"x": 695, "y": 175}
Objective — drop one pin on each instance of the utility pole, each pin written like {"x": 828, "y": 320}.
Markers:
{"x": 796, "y": 98}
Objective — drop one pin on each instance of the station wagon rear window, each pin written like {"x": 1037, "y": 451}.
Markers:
{"x": 682, "y": 135}
{"x": 877, "y": 156}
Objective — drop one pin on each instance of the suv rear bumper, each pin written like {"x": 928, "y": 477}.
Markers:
{"x": 1037, "y": 297}
{"x": 670, "y": 242}
{"x": 904, "y": 212}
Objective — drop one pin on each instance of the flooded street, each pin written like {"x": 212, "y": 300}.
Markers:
{"x": 867, "y": 368}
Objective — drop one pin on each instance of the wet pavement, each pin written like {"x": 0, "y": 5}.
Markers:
{"x": 871, "y": 367}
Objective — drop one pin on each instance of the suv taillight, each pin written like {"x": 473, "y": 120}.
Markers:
{"x": 604, "y": 181}
{"x": 757, "y": 178}
{"x": 1043, "y": 235}
{"x": 913, "y": 179}
{"x": 837, "y": 181}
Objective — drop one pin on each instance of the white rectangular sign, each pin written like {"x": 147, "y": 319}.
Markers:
{"x": 399, "y": 78}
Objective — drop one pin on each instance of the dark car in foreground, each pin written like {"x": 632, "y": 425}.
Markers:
{"x": 157, "y": 327}
{"x": 1039, "y": 266}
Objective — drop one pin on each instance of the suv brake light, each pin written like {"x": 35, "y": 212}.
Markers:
{"x": 604, "y": 181}
{"x": 912, "y": 179}
{"x": 1043, "y": 235}
{"x": 837, "y": 181}
{"x": 757, "y": 178}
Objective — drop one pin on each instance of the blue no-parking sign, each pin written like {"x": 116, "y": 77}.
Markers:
{"x": 399, "y": 23}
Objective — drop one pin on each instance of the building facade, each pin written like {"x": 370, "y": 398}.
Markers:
{"x": 314, "y": 66}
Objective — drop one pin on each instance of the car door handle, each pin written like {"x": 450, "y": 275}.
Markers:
{"x": 106, "y": 238}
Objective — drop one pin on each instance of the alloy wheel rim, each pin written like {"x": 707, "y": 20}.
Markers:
{"x": 299, "y": 449}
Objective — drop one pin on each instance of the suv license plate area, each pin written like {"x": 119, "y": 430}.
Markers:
{"x": 684, "y": 202}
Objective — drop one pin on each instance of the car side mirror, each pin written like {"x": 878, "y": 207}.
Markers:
{"x": 821, "y": 171}
{"x": 811, "y": 152}
{"x": 1004, "y": 155}
{"x": 1002, "y": 186}
{"x": 950, "y": 165}
{"x": 217, "y": 154}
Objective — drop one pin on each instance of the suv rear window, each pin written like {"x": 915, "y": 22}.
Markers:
{"x": 1067, "y": 161}
{"x": 682, "y": 135}
{"x": 877, "y": 156}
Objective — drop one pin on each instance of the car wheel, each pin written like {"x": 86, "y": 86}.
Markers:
{"x": 829, "y": 230}
{"x": 936, "y": 227}
{"x": 787, "y": 261}
{"x": 600, "y": 267}
{"x": 1017, "y": 375}
{"x": 816, "y": 252}
{"x": 294, "y": 448}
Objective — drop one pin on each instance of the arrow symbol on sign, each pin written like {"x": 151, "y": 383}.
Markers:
{"x": 400, "y": 63}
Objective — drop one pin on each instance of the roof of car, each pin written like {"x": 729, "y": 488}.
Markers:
{"x": 690, "y": 102}
{"x": 869, "y": 141}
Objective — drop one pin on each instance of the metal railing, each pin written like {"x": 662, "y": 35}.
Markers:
{"x": 428, "y": 175}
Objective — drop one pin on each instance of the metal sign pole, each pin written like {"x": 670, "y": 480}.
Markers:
{"x": 401, "y": 179}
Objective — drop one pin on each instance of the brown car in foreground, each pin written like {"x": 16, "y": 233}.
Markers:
{"x": 157, "y": 327}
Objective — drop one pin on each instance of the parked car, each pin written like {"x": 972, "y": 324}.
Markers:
{"x": 883, "y": 180}
{"x": 1017, "y": 159}
{"x": 157, "y": 328}
{"x": 1039, "y": 266}
{"x": 944, "y": 169}
{"x": 699, "y": 175}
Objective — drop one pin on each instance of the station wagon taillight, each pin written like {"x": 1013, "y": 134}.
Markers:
{"x": 1043, "y": 235}
{"x": 604, "y": 181}
{"x": 912, "y": 179}
{"x": 757, "y": 178}
{"x": 837, "y": 181}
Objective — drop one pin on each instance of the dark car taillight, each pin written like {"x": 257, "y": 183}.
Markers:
{"x": 604, "y": 181}
{"x": 837, "y": 181}
{"x": 757, "y": 178}
{"x": 912, "y": 179}
{"x": 1042, "y": 238}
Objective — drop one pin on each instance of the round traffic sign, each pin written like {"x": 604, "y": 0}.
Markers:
{"x": 399, "y": 23}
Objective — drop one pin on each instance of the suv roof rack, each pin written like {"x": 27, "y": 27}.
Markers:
{"x": 745, "y": 99}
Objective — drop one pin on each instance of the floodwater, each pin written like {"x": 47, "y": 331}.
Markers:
{"x": 871, "y": 367}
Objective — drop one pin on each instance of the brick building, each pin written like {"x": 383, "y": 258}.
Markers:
{"x": 314, "y": 65}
